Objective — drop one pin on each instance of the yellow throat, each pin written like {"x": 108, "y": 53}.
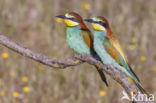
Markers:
{"x": 70, "y": 22}
{"x": 97, "y": 27}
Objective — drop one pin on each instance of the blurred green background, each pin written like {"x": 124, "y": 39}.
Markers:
{"x": 32, "y": 23}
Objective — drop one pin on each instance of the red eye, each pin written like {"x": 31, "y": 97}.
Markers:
{"x": 100, "y": 22}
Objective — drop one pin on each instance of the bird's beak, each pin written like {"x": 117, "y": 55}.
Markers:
{"x": 61, "y": 16}
{"x": 89, "y": 20}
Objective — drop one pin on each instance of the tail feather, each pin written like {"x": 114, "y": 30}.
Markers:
{"x": 133, "y": 73}
{"x": 102, "y": 75}
{"x": 140, "y": 87}
{"x": 137, "y": 81}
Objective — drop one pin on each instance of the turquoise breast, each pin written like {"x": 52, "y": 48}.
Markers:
{"x": 76, "y": 41}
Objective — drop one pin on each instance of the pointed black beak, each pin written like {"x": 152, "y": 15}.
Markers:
{"x": 89, "y": 20}
{"x": 61, "y": 16}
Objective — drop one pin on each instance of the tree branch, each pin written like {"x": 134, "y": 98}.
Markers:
{"x": 117, "y": 75}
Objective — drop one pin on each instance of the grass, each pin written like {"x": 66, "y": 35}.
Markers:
{"x": 33, "y": 24}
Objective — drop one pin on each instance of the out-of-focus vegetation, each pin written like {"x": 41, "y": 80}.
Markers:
{"x": 32, "y": 23}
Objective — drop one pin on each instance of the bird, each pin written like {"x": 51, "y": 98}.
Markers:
{"x": 108, "y": 48}
{"x": 79, "y": 37}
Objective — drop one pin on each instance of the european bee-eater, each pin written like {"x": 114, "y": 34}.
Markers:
{"x": 79, "y": 37}
{"x": 108, "y": 48}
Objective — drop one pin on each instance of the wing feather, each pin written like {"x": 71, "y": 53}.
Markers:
{"x": 88, "y": 38}
{"x": 111, "y": 50}
{"x": 117, "y": 56}
{"x": 118, "y": 47}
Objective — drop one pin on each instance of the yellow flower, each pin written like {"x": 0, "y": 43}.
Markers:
{"x": 143, "y": 58}
{"x": 59, "y": 20}
{"x": 129, "y": 79}
{"x": 26, "y": 89}
{"x": 102, "y": 93}
{"x": 12, "y": 74}
{"x": 24, "y": 79}
{"x": 86, "y": 5}
{"x": 132, "y": 46}
{"x": 4, "y": 55}
{"x": 154, "y": 68}
{"x": 2, "y": 93}
{"x": 15, "y": 94}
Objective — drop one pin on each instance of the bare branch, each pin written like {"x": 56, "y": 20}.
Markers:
{"x": 55, "y": 63}
{"x": 117, "y": 75}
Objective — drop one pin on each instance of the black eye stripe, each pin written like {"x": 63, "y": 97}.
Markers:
{"x": 101, "y": 23}
{"x": 73, "y": 19}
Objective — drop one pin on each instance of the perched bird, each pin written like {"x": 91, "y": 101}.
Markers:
{"x": 108, "y": 48}
{"x": 79, "y": 37}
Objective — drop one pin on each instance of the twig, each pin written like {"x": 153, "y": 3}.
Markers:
{"x": 117, "y": 75}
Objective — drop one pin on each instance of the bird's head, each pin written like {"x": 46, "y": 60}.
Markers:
{"x": 71, "y": 19}
{"x": 99, "y": 23}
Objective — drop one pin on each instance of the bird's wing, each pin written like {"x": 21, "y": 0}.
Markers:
{"x": 118, "y": 47}
{"x": 116, "y": 55}
{"x": 88, "y": 38}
